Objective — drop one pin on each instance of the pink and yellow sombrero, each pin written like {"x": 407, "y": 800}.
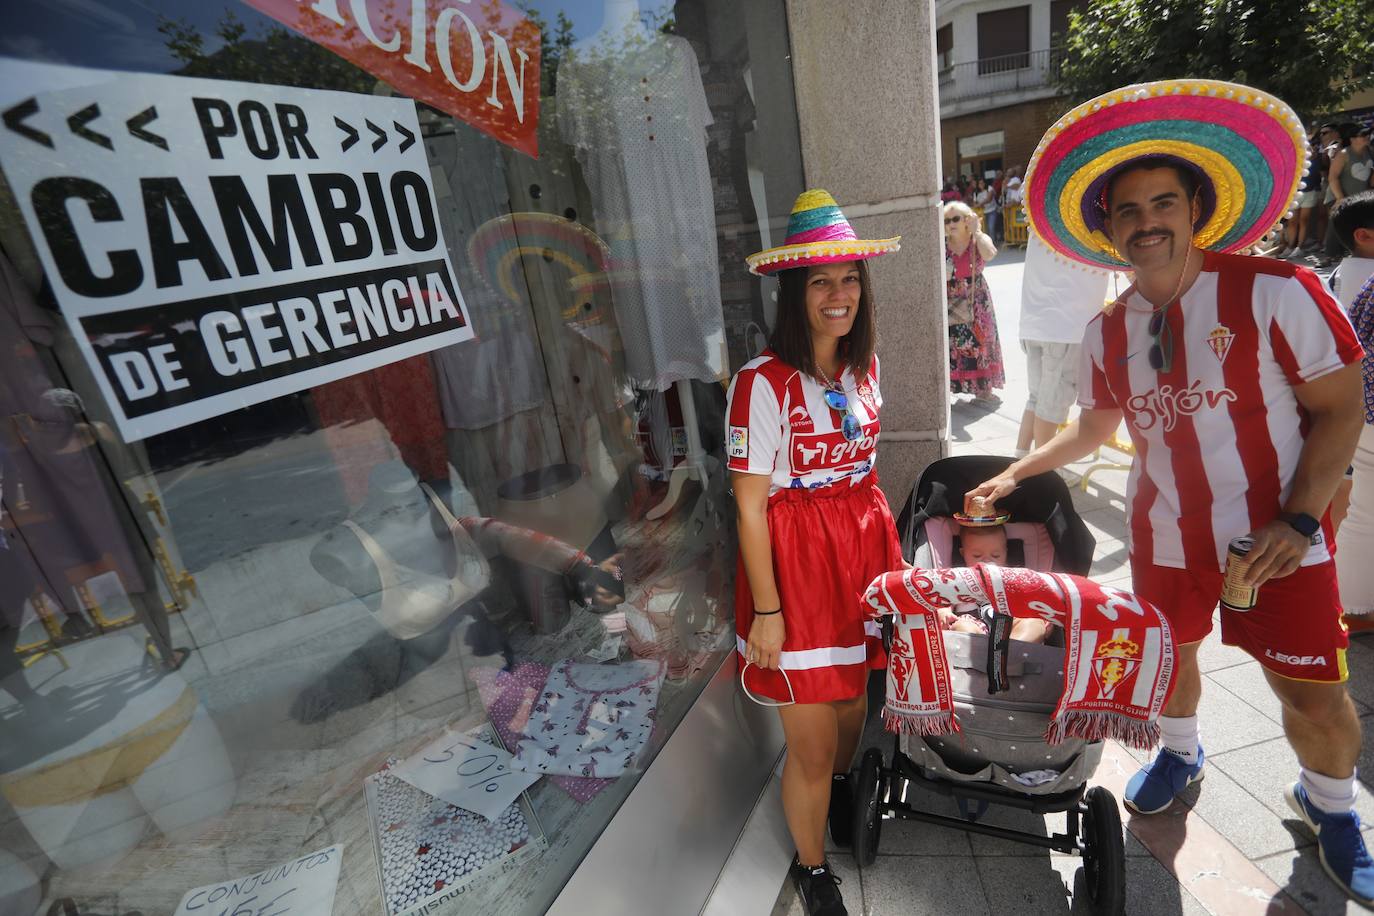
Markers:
{"x": 818, "y": 233}
{"x": 1246, "y": 147}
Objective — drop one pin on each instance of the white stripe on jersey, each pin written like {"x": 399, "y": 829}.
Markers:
{"x": 778, "y": 423}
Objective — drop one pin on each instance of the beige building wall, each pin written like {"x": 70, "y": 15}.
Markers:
{"x": 870, "y": 134}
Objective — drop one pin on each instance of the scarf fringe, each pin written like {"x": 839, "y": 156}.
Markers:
{"x": 902, "y": 723}
{"x": 1099, "y": 726}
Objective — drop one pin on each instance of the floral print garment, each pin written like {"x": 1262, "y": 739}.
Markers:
{"x": 1362, "y": 316}
{"x": 975, "y": 353}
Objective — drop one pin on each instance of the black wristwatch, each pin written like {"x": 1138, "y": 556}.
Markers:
{"x": 1302, "y": 523}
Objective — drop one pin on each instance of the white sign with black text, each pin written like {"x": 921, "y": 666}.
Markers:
{"x": 468, "y": 772}
{"x": 216, "y": 244}
{"x": 301, "y": 887}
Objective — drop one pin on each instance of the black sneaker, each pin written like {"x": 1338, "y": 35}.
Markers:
{"x": 841, "y": 815}
{"x": 819, "y": 889}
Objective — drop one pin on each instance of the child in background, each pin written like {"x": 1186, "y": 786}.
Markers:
{"x": 988, "y": 544}
{"x": 1353, "y": 222}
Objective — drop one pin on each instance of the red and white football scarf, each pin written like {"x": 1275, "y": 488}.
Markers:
{"x": 1118, "y": 657}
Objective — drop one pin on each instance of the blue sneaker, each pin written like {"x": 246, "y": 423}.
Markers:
{"x": 1155, "y": 787}
{"x": 1342, "y": 849}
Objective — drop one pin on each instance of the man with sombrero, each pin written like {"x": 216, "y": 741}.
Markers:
{"x": 1239, "y": 381}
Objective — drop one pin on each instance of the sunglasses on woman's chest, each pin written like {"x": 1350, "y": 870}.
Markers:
{"x": 838, "y": 401}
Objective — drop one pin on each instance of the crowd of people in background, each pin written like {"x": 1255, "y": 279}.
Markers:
{"x": 988, "y": 195}
{"x": 1341, "y": 165}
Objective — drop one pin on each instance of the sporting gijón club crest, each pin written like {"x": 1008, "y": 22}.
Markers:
{"x": 1219, "y": 339}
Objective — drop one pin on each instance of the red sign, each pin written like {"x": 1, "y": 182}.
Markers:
{"x": 477, "y": 61}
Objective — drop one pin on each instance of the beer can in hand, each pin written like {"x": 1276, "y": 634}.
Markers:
{"x": 1235, "y": 594}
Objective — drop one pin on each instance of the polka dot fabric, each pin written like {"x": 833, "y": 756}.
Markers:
{"x": 428, "y": 846}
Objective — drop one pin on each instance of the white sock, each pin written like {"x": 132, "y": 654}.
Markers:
{"x": 1179, "y": 736}
{"x": 1021, "y": 453}
{"x": 1329, "y": 793}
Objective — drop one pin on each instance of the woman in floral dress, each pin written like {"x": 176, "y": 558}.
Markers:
{"x": 975, "y": 354}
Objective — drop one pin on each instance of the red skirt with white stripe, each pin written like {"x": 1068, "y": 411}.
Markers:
{"x": 828, "y": 545}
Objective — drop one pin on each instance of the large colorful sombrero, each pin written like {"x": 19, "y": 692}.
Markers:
{"x": 818, "y": 233}
{"x": 1247, "y": 148}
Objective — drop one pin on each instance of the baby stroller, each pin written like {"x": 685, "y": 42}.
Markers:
{"x": 1002, "y": 757}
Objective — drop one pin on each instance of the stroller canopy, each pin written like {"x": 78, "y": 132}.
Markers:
{"x": 1043, "y": 499}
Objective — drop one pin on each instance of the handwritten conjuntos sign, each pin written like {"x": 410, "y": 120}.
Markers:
{"x": 477, "y": 61}
{"x": 301, "y": 887}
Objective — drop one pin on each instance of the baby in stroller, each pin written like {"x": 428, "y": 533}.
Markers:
{"x": 986, "y": 720}
{"x": 987, "y": 543}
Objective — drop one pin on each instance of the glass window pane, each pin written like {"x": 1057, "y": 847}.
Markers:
{"x": 341, "y": 433}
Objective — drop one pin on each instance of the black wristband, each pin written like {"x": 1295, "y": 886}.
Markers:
{"x": 767, "y": 613}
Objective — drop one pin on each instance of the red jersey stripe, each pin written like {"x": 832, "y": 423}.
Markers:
{"x": 1241, "y": 372}
{"x": 1185, "y": 453}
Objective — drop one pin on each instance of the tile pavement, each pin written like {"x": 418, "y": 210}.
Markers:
{"x": 1236, "y": 818}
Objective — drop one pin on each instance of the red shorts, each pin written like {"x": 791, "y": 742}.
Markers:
{"x": 1294, "y": 629}
{"x": 828, "y": 545}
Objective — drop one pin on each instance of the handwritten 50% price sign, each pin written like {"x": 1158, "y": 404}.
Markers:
{"x": 468, "y": 772}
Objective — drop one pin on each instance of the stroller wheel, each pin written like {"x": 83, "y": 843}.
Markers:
{"x": 868, "y": 822}
{"x": 1104, "y": 853}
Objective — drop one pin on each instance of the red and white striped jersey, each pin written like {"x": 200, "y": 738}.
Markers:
{"x": 778, "y": 424}
{"x": 1218, "y": 436}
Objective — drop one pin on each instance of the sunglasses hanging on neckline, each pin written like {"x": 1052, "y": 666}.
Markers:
{"x": 838, "y": 401}
{"x": 1161, "y": 353}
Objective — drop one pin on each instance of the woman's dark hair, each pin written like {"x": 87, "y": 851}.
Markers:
{"x": 791, "y": 338}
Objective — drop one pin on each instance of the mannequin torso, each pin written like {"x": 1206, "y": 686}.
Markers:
{"x": 410, "y": 531}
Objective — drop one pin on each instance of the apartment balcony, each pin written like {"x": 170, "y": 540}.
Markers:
{"x": 995, "y": 82}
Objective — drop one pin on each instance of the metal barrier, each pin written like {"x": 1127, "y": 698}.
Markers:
{"x": 1116, "y": 444}
{"x": 1015, "y": 229}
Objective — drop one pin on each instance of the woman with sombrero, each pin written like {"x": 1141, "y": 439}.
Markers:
{"x": 1239, "y": 381}
{"x": 814, "y": 529}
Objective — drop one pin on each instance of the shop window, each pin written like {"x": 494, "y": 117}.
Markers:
{"x": 980, "y": 155}
{"x": 360, "y": 445}
{"x": 1004, "y": 40}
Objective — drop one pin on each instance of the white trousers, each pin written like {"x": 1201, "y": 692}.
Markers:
{"x": 1355, "y": 542}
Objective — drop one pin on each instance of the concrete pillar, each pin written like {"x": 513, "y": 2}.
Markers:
{"x": 870, "y": 134}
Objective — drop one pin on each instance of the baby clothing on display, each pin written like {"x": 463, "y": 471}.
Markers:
{"x": 591, "y": 720}
{"x": 427, "y": 846}
{"x": 509, "y": 697}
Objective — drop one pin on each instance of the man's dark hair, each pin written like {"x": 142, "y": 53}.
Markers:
{"x": 791, "y": 338}
{"x": 1186, "y": 176}
{"x": 1351, "y": 213}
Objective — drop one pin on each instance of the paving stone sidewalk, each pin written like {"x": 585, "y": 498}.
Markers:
{"x": 1229, "y": 846}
